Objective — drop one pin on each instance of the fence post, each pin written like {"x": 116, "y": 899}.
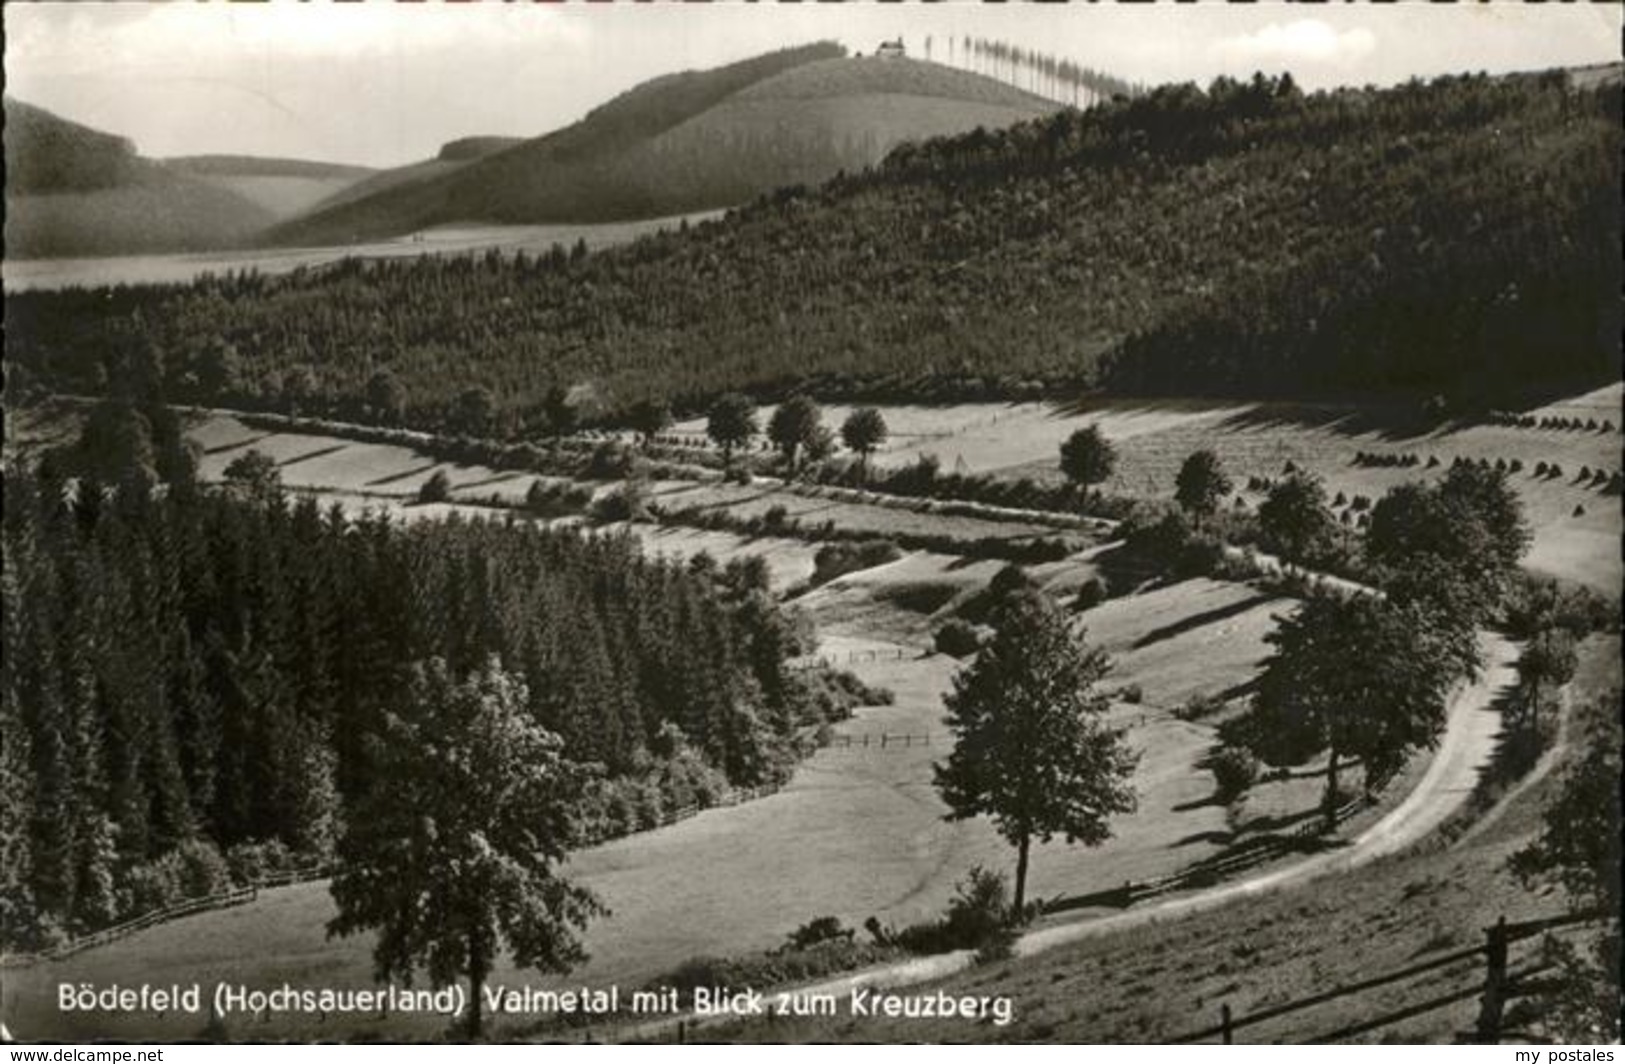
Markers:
{"x": 1224, "y": 1022}
{"x": 1494, "y": 1000}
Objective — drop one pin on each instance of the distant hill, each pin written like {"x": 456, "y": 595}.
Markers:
{"x": 688, "y": 142}
{"x": 470, "y": 148}
{"x": 285, "y": 187}
{"x": 76, "y": 191}
{"x": 452, "y": 156}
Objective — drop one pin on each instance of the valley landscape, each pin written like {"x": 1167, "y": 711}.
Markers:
{"x": 701, "y": 463}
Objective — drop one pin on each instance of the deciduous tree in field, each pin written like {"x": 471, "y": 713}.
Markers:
{"x": 255, "y": 475}
{"x": 651, "y": 417}
{"x": 1357, "y": 676}
{"x": 1471, "y": 523}
{"x": 731, "y": 424}
{"x": 863, "y": 431}
{"x": 1201, "y": 485}
{"x": 453, "y": 856}
{"x": 1032, "y": 748}
{"x": 1294, "y": 520}
{"x": 794, "y": 426}
{"x": 1087, "y": 457}
{"x": 1548, "y": 661}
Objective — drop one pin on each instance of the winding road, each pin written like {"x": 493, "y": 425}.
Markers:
{"x": 1465, "y": 748}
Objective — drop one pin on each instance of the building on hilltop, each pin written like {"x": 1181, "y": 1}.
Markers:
{"x": 891, "y": 49}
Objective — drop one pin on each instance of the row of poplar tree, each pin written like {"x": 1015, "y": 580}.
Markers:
{"x": 193, "y": 670}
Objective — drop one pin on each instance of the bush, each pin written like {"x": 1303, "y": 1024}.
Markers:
{"x": 436, "y": 489}
{"x": 149, "y": 886}
{"x": 1094, "y": 591}
{"x": 201, "y": 870}
{"x": 815, "y": 932}
{"x": 978, "y": 918}
{"x": 1010, "y": 580}
{"x": 1133, "y": 694}
{"x": 958, "y": 639}
{"x": 838, "y": 559}
{"x": 556, "y": 499}
{"x": 1200, "y": 707}
{"x": 611, "y": 461}
{"x": 1234, "y": 770}
{"x": 250, "y": 862}
{"x": 625, "y": 503}
{"x": 980, "y": 909}
{"x": 1200, "y": 555}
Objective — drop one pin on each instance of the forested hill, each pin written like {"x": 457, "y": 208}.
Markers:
{"x": 1460, "y": 236}
{"x": 690, "y": 142}
{"x": 73, "y": 190}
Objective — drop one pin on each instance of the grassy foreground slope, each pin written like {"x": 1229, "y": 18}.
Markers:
{"x": 73, "y": 190}
{"x": 1460, "y": 236}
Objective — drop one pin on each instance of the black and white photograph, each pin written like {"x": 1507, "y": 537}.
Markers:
{"x": 801, "y": 523}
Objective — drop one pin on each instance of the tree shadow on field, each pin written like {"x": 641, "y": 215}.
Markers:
{"x": 1211, "y": 838}
{"x": 1101, "y": 404}
{"x": 1199, "y": 620}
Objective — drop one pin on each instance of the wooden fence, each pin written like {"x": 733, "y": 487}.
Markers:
{"x": 852, "y": 657}
{"x": 878, "y": 741}
{"x": 187, "y": 907}
{"x": 1501, "y": 982}
{"x": 244, "y": 895}
{"x": 732, "y": 796}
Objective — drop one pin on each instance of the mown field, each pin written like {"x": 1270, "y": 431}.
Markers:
{"x": 1152, "y": 438}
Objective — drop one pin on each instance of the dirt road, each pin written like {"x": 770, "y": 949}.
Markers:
{"x": 1466, "y": 746}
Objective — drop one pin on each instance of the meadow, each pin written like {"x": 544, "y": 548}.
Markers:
{"x": 1576, "y": 524}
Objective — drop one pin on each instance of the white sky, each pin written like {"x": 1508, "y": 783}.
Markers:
{"x": 381, "y": 83}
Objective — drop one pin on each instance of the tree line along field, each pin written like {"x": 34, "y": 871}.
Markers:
{"x": 1576, "y": 523}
